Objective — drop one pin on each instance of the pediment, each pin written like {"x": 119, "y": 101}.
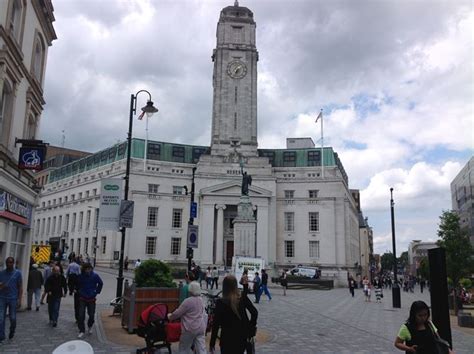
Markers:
{"x": 233, "y": 188}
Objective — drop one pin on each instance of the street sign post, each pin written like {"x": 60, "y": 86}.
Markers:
{"x": 126, "y": 213}
{"x": 193, "y": 233}
{"x": 193, "y": 210}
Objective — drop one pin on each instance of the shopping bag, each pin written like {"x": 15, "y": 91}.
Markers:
{"x": 173, "y": 331}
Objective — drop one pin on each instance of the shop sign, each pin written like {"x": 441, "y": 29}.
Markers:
{"x": 31, "y": 158}
{"x": 14, "y": 208}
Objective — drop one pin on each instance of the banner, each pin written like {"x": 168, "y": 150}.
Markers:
{"x": 110, "y": 198}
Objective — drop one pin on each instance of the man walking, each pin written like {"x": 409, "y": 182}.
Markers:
{"x": 89, "y": 285}
{"x": 56, "y": 288}
{"x": 48, "y": 270}
{"x": 264, "y": 286}
{"x": 351, "y": 285}
{"x": 11, "y": 290}
{"x": 256, "y": 287}
{"x": 35, "y": 282}
{"x": 72, "y": 272}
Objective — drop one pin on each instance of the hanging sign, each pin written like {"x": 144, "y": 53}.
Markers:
{"x": 31, "y": 158}
{"x": 110, "y": 199}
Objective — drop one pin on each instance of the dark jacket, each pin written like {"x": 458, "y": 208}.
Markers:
{"x": 55, "y": 286}
{"x": 234, "y": 330}
{"x": 35, "y": 279}
{"x": 89, "y": 285}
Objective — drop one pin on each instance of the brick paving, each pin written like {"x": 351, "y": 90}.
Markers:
{"x": 304, "y": 321}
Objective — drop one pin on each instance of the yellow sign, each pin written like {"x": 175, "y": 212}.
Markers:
{"x": 41, "y": 253}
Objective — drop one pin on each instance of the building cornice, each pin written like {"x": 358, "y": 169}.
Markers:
{"x": 44, "y": 12}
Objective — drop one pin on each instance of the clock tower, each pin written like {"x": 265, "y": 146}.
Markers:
{"x": 234, "y": 110}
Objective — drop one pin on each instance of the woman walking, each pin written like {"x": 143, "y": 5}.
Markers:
{"x": 193, "y": 321}
{"x": 244, "y": 281}
{"x": 231, "y": 317}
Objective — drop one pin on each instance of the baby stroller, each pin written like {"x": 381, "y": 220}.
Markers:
{"x": 152, "y": 327}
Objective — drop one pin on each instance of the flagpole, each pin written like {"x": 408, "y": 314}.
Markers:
{"x": 146, "y": 144}
{"x": 322, "y": 146}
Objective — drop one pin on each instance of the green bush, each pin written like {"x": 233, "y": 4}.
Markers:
{"x": 154, "y": 274}
{"x": 466, "y": 283}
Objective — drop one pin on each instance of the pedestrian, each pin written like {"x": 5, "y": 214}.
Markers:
{"x": 125, "y": 263}
{"x": 56, "y": 288}
{"x": 351, "y": 285}
{"x": 418, "y": 333}
{"x": 72, "y": 272}
{"x": 378, "y": 292}
{"x": 284, "y": 282}
{"x": 365, "y": 285}
{"x": 11, "y": 291}
{"x": 256, "y": 287}
{"x": 422, "y": 284}
{"x": 231, "y": 317}
{"x": 368, "y": 293}
{"x": 48, "y": 269}
{"x": 35, "y": 282}
{"x": 264, "y": 286}
{"x": 184, "y": 293}
{"x": 244, "y": 281}
{"x": 72, "y": 256}
{"x": 137, "y": 263}
{"x": 215, "y": 277}
{"x": 89, "y": 285}
{"x": 193, "y": 321}
{"x": 208, "y": 277}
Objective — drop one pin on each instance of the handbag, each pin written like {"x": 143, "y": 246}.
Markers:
{"x": 441, "y": 346}
{"x": 173, "y": 331}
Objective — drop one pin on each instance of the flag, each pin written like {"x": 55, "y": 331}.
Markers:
{"x": 140, "y": 117}
{"x": 320, "y": 115}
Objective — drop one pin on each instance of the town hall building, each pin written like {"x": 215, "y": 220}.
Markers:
{"x": 304, "y": 214}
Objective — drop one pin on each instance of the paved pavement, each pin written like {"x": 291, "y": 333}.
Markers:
{"x": 304, "y": 321}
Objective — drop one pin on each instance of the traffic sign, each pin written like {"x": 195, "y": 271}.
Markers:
{"x": 193, "y": 236}
{"x": 194, "y": 208}
{"x": 126, "y": 213}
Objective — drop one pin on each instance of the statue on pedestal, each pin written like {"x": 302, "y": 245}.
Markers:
{"x": 246, "y": 180}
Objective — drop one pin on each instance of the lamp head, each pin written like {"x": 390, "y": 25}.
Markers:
{"x": 149, "y": 109}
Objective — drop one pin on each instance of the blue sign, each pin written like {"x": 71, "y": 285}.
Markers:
{"x": 193, "y": 233}
{"x": 31, "y": 158}
{"x": 194, "y": 208}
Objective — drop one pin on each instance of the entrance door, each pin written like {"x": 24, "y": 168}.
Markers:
{"x": 229, "y": 253}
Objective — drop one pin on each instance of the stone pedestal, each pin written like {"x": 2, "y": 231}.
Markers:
{"x": 245, "y": 227}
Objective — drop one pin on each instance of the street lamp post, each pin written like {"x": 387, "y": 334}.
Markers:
{"x": 189, "y": 250}
{"x": 395, "y": 288}
{"x": 149, "y": 109}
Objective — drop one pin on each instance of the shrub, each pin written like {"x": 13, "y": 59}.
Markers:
{"x": 466, "y": 283}
{"x": 154, "y": 274}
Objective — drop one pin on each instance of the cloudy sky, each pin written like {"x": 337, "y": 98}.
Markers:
{"x": 395, "y": 80}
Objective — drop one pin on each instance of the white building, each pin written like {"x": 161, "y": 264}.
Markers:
{"x": 302, "y": 216}
{"x": 417, "y": 250}
{"x": 26, "y": 31}
{"x": 462, "y": 195}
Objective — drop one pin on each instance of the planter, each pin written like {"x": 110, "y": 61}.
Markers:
{"x": 135, "y": 300}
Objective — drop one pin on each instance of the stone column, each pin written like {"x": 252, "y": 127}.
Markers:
{"x": 220, "y": 234}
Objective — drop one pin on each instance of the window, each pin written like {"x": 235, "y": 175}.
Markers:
{"x": 66, "y": 223}
{"x": 48, "y": 227}
{"x": 178, "y": 153}
{"x": 60, "y": 200}
{"x": 289, "y": 249}
{"x": 314, "y": 158}
{"x": 152, "y": 217}
{"x": 78, "y": 246}
{"x": 38, "y": 58}
{"x": 104, "y": 244}
{"x": 121, "y": 150}
{"x": 153, "y": 188}
{"x": 54, "y": 225}
{"x": 150, "y": 247}
{"x": 94, "y": 191}
{"x": 72, "y": 244}
{"x": 289, "y": 159}
{"x": 73, "y": 196}
{"x": 175, "y": 246}
{"x": 43, "y": 223}
{"x": 79, "y": 196}
{"x": 313, "y": 194}
{"x": 269, "y": 154}
{"x": 178, "y": 190}
{"x": 314, "y": 221}
{"x": 154, "y": 151}
{"x": 314, "y": 249}
{"x": 37, "y": 227}
{"x": 65, "y": 199}
{"x": 73, "y": 223}
{"x": 290, "y": 221}
{"x": 197, "y": 152}
{"x": 60, "y": 224}
{"x": 81, "y": 217}
{"x": 87, "y": 194}
{"x": 30, "y": 127}
{"x": 112, "y": 152}
{"x": 6, "y": 103}
{"x": 86, "y": 245}
{"x": 96, "y": 223}
{"x": 16, "y": 19}
{"x": 177, "y": 218}
{"x": 289, "y": 194}
{"x": 88, "y": 220}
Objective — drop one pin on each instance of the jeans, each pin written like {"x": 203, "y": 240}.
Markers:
{"x": 11, "y": 305}
{"x": 258, "y": 292}
{"x": 76, "y": 306}
{"x": 264, "y": 289}
{"x": 90, "y": 306}
{"x": 37, "y": 293}
{"x": 53, "y": 309}
{"x": 215, "y": 281}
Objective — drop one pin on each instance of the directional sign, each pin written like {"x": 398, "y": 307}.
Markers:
{"x": 193, "y": 233}
{"x": 126, "y": 213}
{"x": 194, "y": 208}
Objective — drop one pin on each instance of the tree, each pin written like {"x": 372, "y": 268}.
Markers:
{"x": 403, "y": 261}
{"x": 154, "y": 273}
{"x": 424, "y": 269}
{"x": 459, "y": 253}
{"x": 386, "y": 262}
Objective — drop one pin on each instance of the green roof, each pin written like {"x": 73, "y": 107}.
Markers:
{"x": 190, "y": 154}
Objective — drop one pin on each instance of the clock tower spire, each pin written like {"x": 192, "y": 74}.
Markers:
{"x": 234, "y": 110}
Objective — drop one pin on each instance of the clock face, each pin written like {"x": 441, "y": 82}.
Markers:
{"x": 237, "y": 69}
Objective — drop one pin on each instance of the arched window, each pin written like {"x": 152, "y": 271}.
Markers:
{"x": 16, "y": 19}
{"x": 5, "y": 112}
{"x": 38, "y": 57}
{"x": 30, "y": 131}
